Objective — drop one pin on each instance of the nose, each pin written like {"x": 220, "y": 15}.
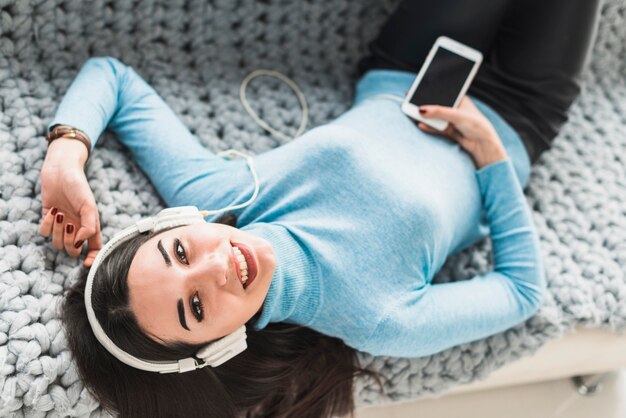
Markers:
{"x": 214, "y": 266}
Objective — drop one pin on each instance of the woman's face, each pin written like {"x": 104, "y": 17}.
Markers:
{"x": 176, "y": 271}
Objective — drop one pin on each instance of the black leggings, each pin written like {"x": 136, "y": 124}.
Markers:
{"x": 534, "y": 52}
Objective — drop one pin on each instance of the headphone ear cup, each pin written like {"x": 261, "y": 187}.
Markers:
{"x": 225, "y": 348}
{"x": 226, "y": 354}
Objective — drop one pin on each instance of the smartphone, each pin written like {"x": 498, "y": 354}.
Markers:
{"x": 443, "y": 79}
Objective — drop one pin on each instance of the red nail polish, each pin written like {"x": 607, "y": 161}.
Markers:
{"x": 60, "y": 218}
{"x": 69, "y": 228}
{"x": 54, "y": 211}
{"x": 422, "y": 111}
{"x": 78, "y": 244}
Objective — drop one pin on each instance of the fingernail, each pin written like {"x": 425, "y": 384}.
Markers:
{"x": 69, "y": 228}
{"x": 78, "y": 244}
{"x": 54, "y": 211}
{"x": 60, "y": 218}
{"x": 422, "y": 111}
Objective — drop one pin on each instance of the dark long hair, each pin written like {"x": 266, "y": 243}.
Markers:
{"x": 286, "y": 371}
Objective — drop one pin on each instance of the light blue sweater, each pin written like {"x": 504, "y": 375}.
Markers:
{"x": 361, "y": 212}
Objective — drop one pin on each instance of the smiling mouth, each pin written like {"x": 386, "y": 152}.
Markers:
{"x": 245, "y": 263}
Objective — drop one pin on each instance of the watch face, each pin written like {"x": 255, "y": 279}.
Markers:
{"x": 55, "y": 133}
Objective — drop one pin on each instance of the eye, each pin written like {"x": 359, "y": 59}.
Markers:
{"x": 198, "y": 313}
{"x": 180, "y": 252}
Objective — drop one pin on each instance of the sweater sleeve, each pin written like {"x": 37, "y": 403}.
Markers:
{"x": 108, "y": 93}
{"x": 92, "y": 98}
{"x": 439, "y": 316}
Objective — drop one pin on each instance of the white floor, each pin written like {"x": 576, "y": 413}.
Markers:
{"x": 550, "y": 399}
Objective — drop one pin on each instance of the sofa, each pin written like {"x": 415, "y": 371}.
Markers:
{"x": 196, "y": 53}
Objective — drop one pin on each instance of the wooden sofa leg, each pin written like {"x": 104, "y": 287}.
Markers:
{"x": 590, "y": 384}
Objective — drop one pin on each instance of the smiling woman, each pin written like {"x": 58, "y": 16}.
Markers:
{"x": 185, "y": 284}
{"x": 252, "y": 381}
{"x": 350, "y": 224}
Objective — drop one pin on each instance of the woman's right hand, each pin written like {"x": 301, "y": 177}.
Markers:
{"x": 469, "y": 128}
{"x": 64, "y": 187}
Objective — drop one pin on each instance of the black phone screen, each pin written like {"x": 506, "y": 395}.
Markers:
{"x": 443, "y": 79}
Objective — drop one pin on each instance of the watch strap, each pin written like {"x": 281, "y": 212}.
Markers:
{"x": 66, "y": 131}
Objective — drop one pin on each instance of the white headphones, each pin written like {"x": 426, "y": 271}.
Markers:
{"x": 222, "y": 350}
{"x": 212, "y": 354}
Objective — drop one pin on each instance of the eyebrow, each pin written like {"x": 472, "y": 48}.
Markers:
{"x": 181, "y": 314}
{"x": 180, "y": 305}
{"x": 166, "y": 256}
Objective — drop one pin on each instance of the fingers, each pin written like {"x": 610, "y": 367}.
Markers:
{"x": 63, "y": 233}
{"x": 68, "y": 240}
{"x": 89, "y": 222}
{"x": 90, "y": 230}
{"x": 66, "y": 235}
{"x": 45, "y": 228}
{"x": 429, "y": 129}
{"x": 450, "y": 132}
{"x": 91, "y": 256}
{"x": 57, "y": 231}
{"x": 449, "y": 114}
{"x": 95, "y": 244}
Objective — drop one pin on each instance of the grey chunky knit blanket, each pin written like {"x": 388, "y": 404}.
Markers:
{"x": 196, "y": 53}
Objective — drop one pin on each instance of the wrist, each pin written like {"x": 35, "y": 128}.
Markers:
{"x": 68, "y": 131}
{"x": 490, "y": 152}
{"x": 68, "y": 150}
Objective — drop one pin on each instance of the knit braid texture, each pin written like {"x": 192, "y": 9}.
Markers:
{"x": 196, "y": 53}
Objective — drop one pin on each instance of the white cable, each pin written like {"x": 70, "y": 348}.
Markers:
{"x": 305, "y": 115}
{"x": 261, "y": 122}
{"x": 232, "y": 152}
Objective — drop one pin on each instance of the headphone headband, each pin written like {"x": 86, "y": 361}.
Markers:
{"x": 213, "y": 354}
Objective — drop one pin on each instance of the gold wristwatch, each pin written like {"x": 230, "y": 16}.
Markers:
{"x": 67, "y": 131}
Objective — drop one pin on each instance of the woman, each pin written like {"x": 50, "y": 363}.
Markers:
{"x": 352, "y": 221}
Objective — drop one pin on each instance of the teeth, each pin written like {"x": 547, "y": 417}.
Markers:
{"x": 242, "y": 264}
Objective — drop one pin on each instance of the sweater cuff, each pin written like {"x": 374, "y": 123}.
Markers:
{"x": 501, "y": 193}
{"x": 497, "y": 172}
